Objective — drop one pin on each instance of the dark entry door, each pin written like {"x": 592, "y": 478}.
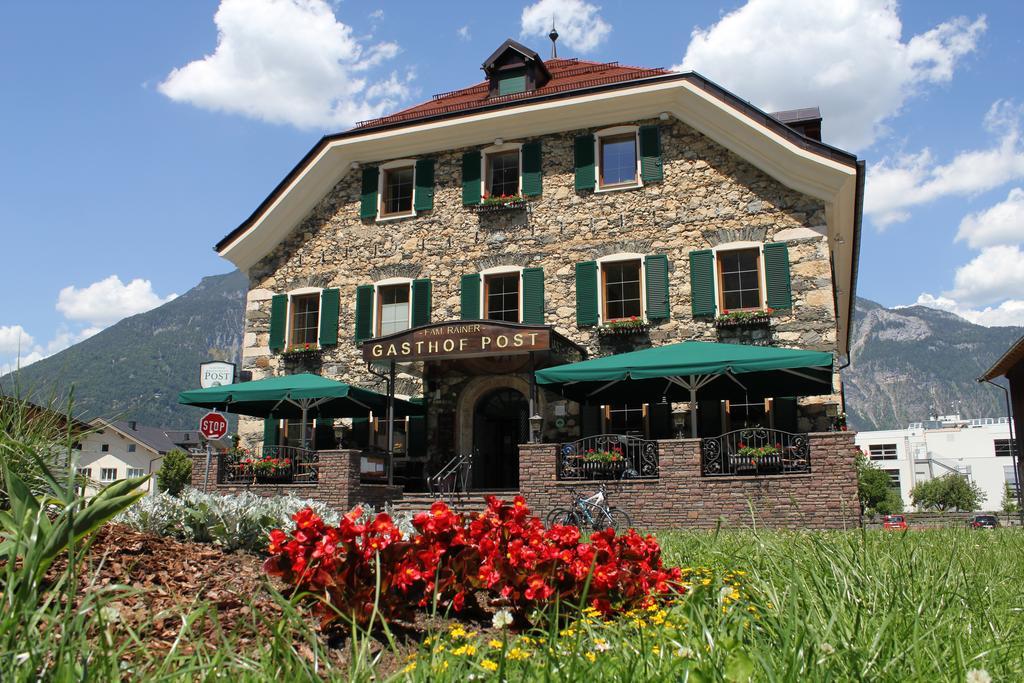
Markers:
{"x": 500, "y": 424}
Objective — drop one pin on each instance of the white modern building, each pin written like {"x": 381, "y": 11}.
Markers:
{"x": 979, "y": 449}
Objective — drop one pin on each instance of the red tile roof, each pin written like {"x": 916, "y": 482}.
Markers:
{"x": 566, "y": 74}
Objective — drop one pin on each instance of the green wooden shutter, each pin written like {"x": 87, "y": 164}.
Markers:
{"x": 424, "y": 200}
{"x": 702, "y": 283}
{"x": 364, "y": 312}
{"x": 330, "y": 302}
{"x": 656, "y": 281}
{"x": 470, "y": 297}
{"x": 650, "y": 154}
{"x": 776, "y": 275}
{"x": 368, "y": 197}
{"x": 470, "y": 178}
{"x": 531, "y": 169}
{"x": 583, "y": 154}
{"x": 420, "y": 302}
{"x": 278, "y": 321}
{"x": 533, "y": 296}
{"x": 586, "y": 293}
{"x": 271, "y": 431}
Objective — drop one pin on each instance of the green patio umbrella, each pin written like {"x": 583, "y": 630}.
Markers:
{"x": 290, "y": 396}
{"x": 679, "y": 371}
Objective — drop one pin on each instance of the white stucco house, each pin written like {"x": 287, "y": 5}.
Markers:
{"x": 979, "y": 449}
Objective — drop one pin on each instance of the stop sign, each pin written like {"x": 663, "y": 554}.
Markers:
{"x": 213, "y": 426}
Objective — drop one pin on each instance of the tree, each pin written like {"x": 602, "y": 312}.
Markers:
{"x": 950, "y": 492}
{"x": 874, "y": 489}
{"x": 175, "y": 472}
{"x": 1009, "y": 498}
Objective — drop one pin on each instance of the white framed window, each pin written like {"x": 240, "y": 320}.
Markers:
{"x": 108, "y": 474}
{"x": 131, "y": 448}
{"x": 621, "y": 290}
{"x": 84, "y": 472}
{"x": 135, "y": 472}
{"x": 501, "y": 170}
{"x": 882, "y": 451}
{"x": 303, "y": 320}
{"x": 392, "y": 309}
{"x": 396, "y": 189}
{"x": 740, "y": 277}
{"x": 617, "y": 158}
{"x": 105, "y": 448}
{"x": 501, "y": 294}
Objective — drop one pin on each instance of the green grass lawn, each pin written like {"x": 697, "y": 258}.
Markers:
{"x": 765, "y": 606}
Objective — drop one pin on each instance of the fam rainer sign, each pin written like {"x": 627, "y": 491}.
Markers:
{"x": 458, "y": 339}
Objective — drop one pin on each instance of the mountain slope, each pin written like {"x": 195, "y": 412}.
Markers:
{"x": 133, "y": 370}
{"x": 912, "y": 363}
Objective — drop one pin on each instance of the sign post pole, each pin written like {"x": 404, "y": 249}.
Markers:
{"x": 212, "y": 426}
{"x": 209, "y": 457}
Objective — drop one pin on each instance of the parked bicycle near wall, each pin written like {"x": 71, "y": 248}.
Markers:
{"x": 592, "y": 513}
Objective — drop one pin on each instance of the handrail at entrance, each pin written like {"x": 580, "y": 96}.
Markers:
{"x": 453, "y": 478}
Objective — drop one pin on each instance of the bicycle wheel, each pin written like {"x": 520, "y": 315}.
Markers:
{"x": 620, "y": 520}
{"x": 561, "y": 516}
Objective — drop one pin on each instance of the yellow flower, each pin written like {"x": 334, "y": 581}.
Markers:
{"x": 409, "y": 668}
{"x": 656, "y": 650}
{"x": 568, "y": 633}
{"x": 518, "y": 653}
{"x": 591, "y": 657}
{"x": 592, "y": 612}
{"x": 458, "y": 632}
{"x": 489, "y": 665}
{"x": 639, "y": 623}
{"x": 495, "y": 644}
{"x": 467, "y": 649}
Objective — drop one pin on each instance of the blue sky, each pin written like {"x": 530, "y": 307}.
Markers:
{"x": 120, "y": 172}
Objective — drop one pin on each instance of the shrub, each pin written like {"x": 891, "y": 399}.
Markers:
{"x": 363, "y": 570}
{"x": 175, "y": 472}
{"x": 949, "y": 492}
{"x": 874, "y": 489}
{"x": 1009, "y": 499}
{"x": 235, "y": 522}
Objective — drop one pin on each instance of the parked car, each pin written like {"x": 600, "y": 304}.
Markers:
{"x": 983, "y": 522}
{"x": 894, "y": 522}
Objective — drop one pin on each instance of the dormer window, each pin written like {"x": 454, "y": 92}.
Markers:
{"x": 514, "y": 68}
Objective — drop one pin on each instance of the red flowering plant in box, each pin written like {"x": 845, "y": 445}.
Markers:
{"x": 504, "y": 551}
{"x": 266, "y": 464}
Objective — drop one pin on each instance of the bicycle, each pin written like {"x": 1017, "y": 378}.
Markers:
{"x": 593, "y": 513}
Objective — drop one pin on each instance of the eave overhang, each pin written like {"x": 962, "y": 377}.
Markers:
{"x": 813, "y": 168}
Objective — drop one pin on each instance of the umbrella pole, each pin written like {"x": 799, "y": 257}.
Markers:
{"x": 305, "y": 415}
{"x": 693, "y": 406}
{"x": 391, "y": 424}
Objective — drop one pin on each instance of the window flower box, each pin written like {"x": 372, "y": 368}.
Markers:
{"x": 300, "y": 352}
{"x": 628, "y": 326}
{"x": 497, "y": 204}
{"x": 744, "y": 318}
{"x": 601, "y": 464}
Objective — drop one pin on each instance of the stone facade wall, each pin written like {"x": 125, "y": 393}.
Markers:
{"x": 337, "y": 485}
{"x": 709, "y": 196}
{"x": 826, "y": 498}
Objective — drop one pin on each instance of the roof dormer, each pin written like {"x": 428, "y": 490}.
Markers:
{"x": 514, "y": 68}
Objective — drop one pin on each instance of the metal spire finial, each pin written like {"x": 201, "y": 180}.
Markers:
{"x": 554, "y": 37}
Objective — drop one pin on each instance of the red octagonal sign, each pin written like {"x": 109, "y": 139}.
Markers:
{"x": 213, "y": 426}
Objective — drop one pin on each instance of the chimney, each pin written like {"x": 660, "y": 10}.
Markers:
{"x": 133, "y": 425}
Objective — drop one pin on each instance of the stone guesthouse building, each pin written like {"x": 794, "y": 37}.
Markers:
{"x": 556, "y": 211}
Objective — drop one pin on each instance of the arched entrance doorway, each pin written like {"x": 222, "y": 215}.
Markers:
{"x": 500, "y": 424}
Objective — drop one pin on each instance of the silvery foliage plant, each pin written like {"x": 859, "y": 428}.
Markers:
{"x": 235, "y": 522}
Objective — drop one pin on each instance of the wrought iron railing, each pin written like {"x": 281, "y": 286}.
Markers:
{"x": 608, "y": 456}
{"x": 252, "y": 466}
{"x": 453, "y": 478}
{"x": 755, "y": 450}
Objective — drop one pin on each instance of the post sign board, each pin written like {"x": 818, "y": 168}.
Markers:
{"x": 216, "y": 374}
{"x": 213, "y": 426}
{"x": 458, "y": 340}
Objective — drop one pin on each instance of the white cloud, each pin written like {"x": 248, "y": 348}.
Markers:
{"x": 30, "y": 352}
{"x": 14, "y": 338}
{"x": 1002, "y": 223}
{"x": 463, "y": 32}
{"x": 579, "y": 24}
{"x": 848, "y": 58}
{"x": 107, "y": 301}
{"x": 1010, "y": 312}
{"x": 996, "y": 274}
{"x": 287, "y": 61}
{"x": 894, "y": 185}
{"x": 377, "y": 14}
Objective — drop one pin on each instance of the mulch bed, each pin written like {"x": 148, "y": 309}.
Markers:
{"x": 167, "y": 577}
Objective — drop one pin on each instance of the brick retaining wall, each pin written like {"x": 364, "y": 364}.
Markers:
{"x": 338, "y": 483}
{"x": 826, "y": 498}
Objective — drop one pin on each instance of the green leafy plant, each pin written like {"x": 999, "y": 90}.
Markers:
{"x": 735, "y": 317}
{"x": 626, "y": 325}
{"x": 175, "y": 472}
{"x": 757, "y": 452}
{"x": 1009, "y": 499}
{"x": 301, "y": 349}
{"x": 949, "y": 492}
